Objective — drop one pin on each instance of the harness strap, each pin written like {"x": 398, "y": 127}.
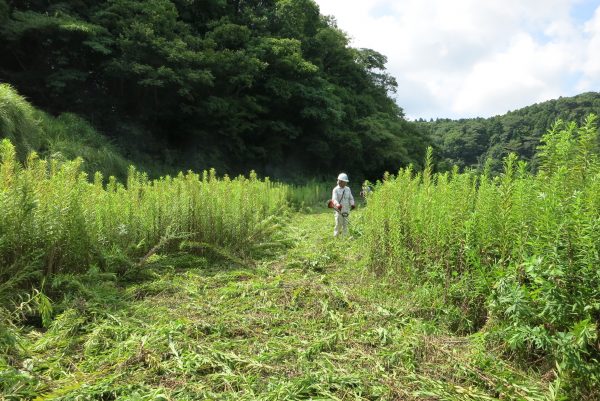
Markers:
{"x": 343, "y": 193}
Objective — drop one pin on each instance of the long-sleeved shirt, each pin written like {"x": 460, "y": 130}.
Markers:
{"x": 342, "y": 196}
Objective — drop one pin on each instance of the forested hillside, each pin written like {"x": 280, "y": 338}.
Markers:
{"x": 470, "y": 142}
{"x": 237, "y": 85}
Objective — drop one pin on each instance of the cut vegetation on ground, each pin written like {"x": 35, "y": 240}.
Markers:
{"x": 309, "y": 323}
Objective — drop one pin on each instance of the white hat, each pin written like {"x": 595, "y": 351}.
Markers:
{"x": 343, "y": 177}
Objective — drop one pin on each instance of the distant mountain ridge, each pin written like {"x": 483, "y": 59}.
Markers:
{"x": 469, "y": 142}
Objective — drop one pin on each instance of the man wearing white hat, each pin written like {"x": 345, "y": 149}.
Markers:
{"x": 343, "y": 202}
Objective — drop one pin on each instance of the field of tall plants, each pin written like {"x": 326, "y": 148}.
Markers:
{"x": 515, "y": 255}
{"x": 451, "y": 285}
{"x": 55, "y": 220}
{"x": 309, "y": 194}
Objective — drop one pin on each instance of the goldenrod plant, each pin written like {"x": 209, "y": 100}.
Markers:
{"x": 54, "y": 220}
{"x": 516, "y": 254}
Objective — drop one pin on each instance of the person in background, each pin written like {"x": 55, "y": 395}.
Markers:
{"x": 366, "y": 191}
{"x": 343, "y": 202}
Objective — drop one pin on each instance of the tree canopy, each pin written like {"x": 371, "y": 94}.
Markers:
{"x": 270, "y": 85}
{"x": 471, "y": 142}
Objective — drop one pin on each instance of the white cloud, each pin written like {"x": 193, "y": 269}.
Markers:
{"x": 466, "y": 58}
{"x": 524, "y": 73}
{"x": 591, "y": 66}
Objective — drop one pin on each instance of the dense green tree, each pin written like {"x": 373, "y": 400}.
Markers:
{"x": 236, "y": 84}
{"x": 471, "y": 142}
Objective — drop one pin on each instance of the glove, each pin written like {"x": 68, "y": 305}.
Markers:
{"x": 339, "y": 207}
{"x": 352, "y": 207}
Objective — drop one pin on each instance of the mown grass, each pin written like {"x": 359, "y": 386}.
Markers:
{"x": 309, "y": 323}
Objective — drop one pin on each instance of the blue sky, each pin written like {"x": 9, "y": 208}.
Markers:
{"x": 582, "y": 10}
{"x": 470, "y": 58}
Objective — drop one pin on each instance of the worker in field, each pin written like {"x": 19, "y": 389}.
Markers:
{"x": 366, "y": 191}
{"x": 342, "y": 202}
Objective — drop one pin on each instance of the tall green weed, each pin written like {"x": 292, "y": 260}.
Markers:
{"x": 516, "y": 253}
{"x": 310, "y": 194}
{"x": 55, "y": 220}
